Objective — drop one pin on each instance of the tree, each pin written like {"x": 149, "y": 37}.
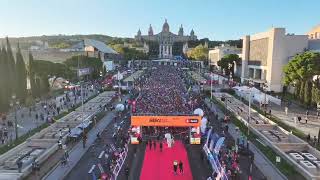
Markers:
{"x": 307, "y": 93}
{"x": 44, "y": 85}
{"x": 31, "y": 69}
{"x": 200, "y": 52}
{"x": 3, "y": 92}
{"x": 104, "y": 71}
{"x": 21, "y": 76}
{"x": 11, "y": 69}
{"x": 94, "y": 64}
{"x": 131, "y": 53}
{"x": 228, "y": 61}
{"x": 300, "y": 72}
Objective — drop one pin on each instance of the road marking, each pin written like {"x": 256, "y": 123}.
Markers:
{"x": 101, "y": 154}
{"x": 91, "y": 169}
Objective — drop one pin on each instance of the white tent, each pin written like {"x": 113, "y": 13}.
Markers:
{"x": 256, "y": 95}
{"x": 119, "y": 107}
{"x": 199, "y": 112}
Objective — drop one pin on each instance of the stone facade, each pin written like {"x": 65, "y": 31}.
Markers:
{"x": 259, "y": 52}
{"x": 166, "y": 39}
{"x": 219, "y": 52}
{"x": 314, "y": 33}
{"x": 265, "y": 54}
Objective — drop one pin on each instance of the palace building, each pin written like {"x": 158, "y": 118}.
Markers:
{"x": 166, "y": 39}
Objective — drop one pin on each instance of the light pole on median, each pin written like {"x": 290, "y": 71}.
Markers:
{"x": 211, "y": 85}
{"x": 14, "y": 103}
{"x": 249, "y": 113}
{"x": 265, "y": 89}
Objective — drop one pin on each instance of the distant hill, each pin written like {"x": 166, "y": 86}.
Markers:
{"x": 48, "y": 47}
{"x": 66, "y": 41}
{"x": 60, "y": 41}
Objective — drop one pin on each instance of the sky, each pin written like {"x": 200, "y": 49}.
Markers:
{"x": 213, "y": 19}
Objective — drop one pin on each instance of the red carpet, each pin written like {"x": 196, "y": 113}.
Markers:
{"x": 159, "y": 165}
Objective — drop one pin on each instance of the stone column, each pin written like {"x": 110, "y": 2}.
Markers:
{"x": 245, "y": 58}
{"x": 166, "y": 50}
{"x": 254, "y": 73}
{"x": 170, "y": 50}
{"x": 163, "y": 50}
{"x": 160, "y": 47}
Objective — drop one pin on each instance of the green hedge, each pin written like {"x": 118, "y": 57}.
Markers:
{"x": 287, "y": 169}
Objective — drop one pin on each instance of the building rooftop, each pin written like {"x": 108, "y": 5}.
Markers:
{"x": 100, "y": 46}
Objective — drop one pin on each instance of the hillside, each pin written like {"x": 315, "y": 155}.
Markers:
{"x": 60, "y": 41}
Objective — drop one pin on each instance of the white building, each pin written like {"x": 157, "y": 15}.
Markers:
{"x": 219, "y": 52}
{"x": 98, "y": 49}
{"x": 314, "y": 39}
{"x": 265, "y": 54}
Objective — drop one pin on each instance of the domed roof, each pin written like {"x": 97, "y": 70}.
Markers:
{"x": 165, "y": 27}
{"x": 192, "y": 32}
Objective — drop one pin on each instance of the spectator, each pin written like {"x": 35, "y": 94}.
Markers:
{"x": 181, "y": 167}
{"x": 127, "y": 172}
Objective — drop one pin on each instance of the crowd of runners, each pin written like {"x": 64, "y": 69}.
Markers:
{"x": 163, "y": 92}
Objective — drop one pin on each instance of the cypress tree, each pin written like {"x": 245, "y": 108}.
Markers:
{"x": 44, "y": 85}
{"x": 5, "y": 80}
{"x": 37, "y": 85}
{"x": 33, "y": 84}
{"x": 21, "y": 76}
{"x": 2, "y": 85}
{"x": 11, "y": 70}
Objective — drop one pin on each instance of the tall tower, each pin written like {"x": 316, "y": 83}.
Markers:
{"x": 138, "y": 36}
{"x": 180, "y": 33}
{"x": 150, "y": 32}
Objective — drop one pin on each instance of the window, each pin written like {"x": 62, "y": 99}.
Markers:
{"x": 311, "y": 36}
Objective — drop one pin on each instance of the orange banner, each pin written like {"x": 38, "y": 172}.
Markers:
{"x": 179, "y": 121}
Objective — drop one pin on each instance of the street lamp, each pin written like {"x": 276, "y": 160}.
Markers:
{"x": 265, "y": 89}
{"x": 249, "y": 113}
{"x": 230, "y": 72}
{"x": 13, "y": 104}
{"x": 211, "y": 77}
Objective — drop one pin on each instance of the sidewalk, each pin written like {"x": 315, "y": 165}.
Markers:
{"x": 262, "y": 162}
{"x": 312, "y": 126}
{"x": 59, "y": 172}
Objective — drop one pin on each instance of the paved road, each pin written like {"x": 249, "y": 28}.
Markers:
{"x": 91, "y": 157}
